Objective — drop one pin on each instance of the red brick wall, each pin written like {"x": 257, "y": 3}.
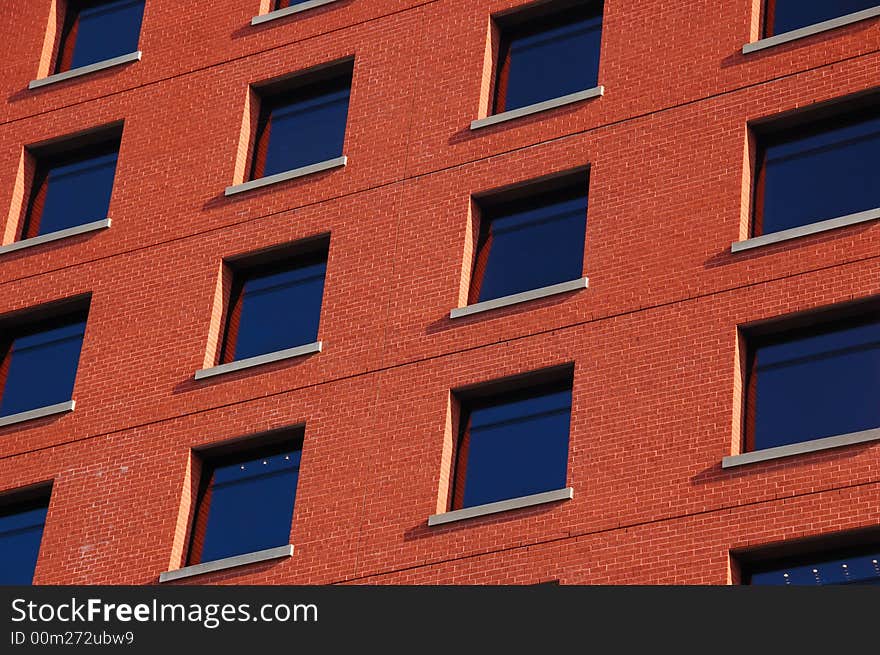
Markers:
{"x": 657, "y": 388}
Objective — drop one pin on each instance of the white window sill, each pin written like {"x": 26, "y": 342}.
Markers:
{"x": 85, "y": 70}
{"x": 553, "y": 103}
{"x": 55, "y": 236}
{"x": 812, "y": 446}
{"x": 336, "y": 162}
{"x": 259, "y": 360}
{"x": 517, "y": 298}
{"x": 289, "y": 11}
{"x": 501, "y": 506}
{"x": 810, "y": 30}
{"x": 805, "y": 230}
{"x": 40, "y": 412}
{"x": 227, "y": 563}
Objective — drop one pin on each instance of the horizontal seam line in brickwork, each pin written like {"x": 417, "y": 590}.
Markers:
{"x": 452, "y": 353}
{"x": 222, "y": 62}
{"x": 403, "y": 180}
{"x": 588, "y": 533}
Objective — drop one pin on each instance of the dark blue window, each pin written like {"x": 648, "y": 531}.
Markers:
{"x": 245, "y": 503}
{"x": 512, "y": 445}
{"x": 530, "y": 243}
{"x": 39, "y": 366}
{"x": 825, "y": 170}
{"x": 282, "y": 4}
{"x": 21, "y": 529}
{"x": 95, "y": 31}
{"x": 275, "y": 307}
{"x": 71, "y": 190}
{"x": 813, "y": 383}
{"x": 786, "y": 15}
{"x": 855, "y": 567}
{"x": 301, "y": 127}
{"x": 548, "y": 56}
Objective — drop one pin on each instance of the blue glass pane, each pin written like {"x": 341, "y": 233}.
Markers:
{"x": 822, "y": 174}
{"x": 553, "y": 62}
{"x": 280, "y": 310}
{"x": 42, "y": 368}
{"x": 863, "y": 569}
{"x": 78, "y": 193}
{"x": 251, "y": 505}
{"x": 793, "y": 14}
{"x": 20, "y": 534}
{"x": 535, "y": 247}
{"x": 107, "y": 30}
{"x": 307, "y": 130}
{"x": 817, "y": 386}
{"x": 517, "y": 448}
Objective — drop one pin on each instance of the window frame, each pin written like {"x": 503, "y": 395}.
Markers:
{"x": 24, "y": 499}
{"x": 68, "y": 38}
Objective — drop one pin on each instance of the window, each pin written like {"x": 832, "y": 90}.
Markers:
{"x": 274, "y": 306}
{"x": 819, "y": 171}
{"x": 813, "y": 382}
{"x": 39, "y": 362}
{"x": 245, "y": 502}
{"x": 512, "y": 444}
{"x": 842, "y": 558}
{"x": 71, "y": 188}
{"x": 530, "y": 241}
{"x": 301, "y": 126}
{"x": 546, "y": 53}
{"x": 21, "y": 529}
{"x": 96, "y": 31}
{"x": 782, "y": 16}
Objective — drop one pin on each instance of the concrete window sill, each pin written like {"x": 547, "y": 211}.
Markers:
{"x": 336, "y": 162}
{"x": 810, "y": 30}
{"x": 501, "y": 506}
{"x": 289, "y": 11}
{"x": 227, "y": 563}
{"x": 812, "y": 446}
{"x": 40, "y": 412}
{"x": 55, "y": 236}
{"x": 250, "y": 362}
{"x": 85, "y": 70}
{"x": 805, "y": 230}
{"x": 517, "y": 298}
{"x": 561, "y": 101}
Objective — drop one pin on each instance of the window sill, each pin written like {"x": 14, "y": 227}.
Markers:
{"x": 227, "y": 563}
{"x": 805, "y": 230}
{"x": 85, "y": 70}
{"x": 250, "y": 362}
{"x": 55, "y": 236}
{"x": 810, "y": 30}
{"x": 286, "y": 175}
{"x": 517, "y": 298}
{"x": 561, "y": 101}
{"x": 40, "y": 412}
{"x": 501, "y": 506}
{"x": 812, "y": 446}
{"x": 289, "y": 11}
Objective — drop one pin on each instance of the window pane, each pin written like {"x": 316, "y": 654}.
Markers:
{"x": 539, "y": 244}
{"x": 817, "y": 385}
{"x": 553, "y": 60}
{"x": 790, "y": 15}
{"x": 862, "y": 569}
{"x": 77, "y": 193}
{"x": 308, "y": 127}
{"x": 280, "y": 310}
{"x": 105, "y": 30}
{"x": 42, "y": 368}
{"x": 516, "y": 448}
{"x": 20, "y": 535}
{"x": 822, "y": 172}
{"x": 249, "y": 505}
